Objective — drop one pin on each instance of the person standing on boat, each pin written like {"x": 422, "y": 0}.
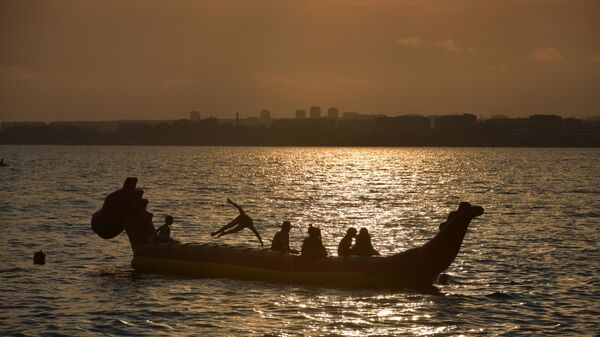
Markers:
{"x": 240, "y": 222}
{"x": 281, "y": 240}
{"x": 312, "y": 246}
{"x": 163, "y": 233}
{"x": 345, "y": 245}
{"x": 363, "y": 246}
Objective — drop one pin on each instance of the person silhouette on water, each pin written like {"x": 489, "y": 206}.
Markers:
{"x": 363, "y": 246}
{"x": 2, "y": 163}
{"x": 312, "y": 246}
{"x": 281, "y": 240}
{"x": 163, "y": 233}
{"x": 345, "y": 245}
{"x": 240, "y": 222}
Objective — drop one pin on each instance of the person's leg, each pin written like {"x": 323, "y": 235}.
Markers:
{"x": 238, "y": 228}
{"x": 226, "y": 227}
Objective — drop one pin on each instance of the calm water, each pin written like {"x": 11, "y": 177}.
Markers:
{"x": 530, "y": 265}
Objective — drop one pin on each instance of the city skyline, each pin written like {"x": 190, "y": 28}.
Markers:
{"x": 115, "y": 60}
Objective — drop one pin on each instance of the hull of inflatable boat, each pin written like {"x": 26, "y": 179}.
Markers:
{"x": 223, "y": 261}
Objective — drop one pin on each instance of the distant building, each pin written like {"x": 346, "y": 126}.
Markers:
{"x": 195, "y": 116}
{"x": 265, "y": 115}
{"x": 352, "y": 115}
{"x": 546, "y": 123}
{"x": 7, "y": 125}
{"x": 315, "y": 112}
{"x": 455, "y": 123}
{"x": 333, "y": 113}
{"x": 300, "y": 114}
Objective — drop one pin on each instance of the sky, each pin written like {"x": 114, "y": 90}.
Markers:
{"x": 120, "y": 59}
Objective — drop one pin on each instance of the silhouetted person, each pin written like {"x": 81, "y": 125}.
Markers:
{"x": 363, "y": 246}
{"x": 163, "y": 233}
{"x": 2, "y": 163}
{"x": 281, "y": 240}
{"x": 345, "y": 245}
{"x": 312, "y": 246}
{"x": 240, "y": 222}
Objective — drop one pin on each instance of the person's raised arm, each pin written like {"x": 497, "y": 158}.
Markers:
{"x": 236, "y": 206}
{"x": 257, "y": 235}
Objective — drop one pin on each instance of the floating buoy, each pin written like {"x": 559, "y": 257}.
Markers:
{"x": 39, "y": 257}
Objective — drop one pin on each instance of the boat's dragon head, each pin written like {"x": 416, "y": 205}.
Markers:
{"x": 124, "y": 209}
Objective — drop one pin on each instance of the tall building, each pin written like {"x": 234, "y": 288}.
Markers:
{"x": 300, "y": 114}
{"x": 333, "y": 113}
{"x": 265, "y": 115}
{"x": 195, "y": 116}
{"x": 315, "y": 112}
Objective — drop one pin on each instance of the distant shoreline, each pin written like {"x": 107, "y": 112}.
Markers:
{"x": 400, "y": 131}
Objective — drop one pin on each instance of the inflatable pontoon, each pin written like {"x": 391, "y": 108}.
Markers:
{"x": 418, "y": 268}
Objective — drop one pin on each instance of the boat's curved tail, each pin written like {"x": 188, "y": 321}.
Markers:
{"x": 420, "y": 266}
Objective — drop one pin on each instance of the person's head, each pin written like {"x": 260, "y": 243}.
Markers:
{"x": 314, "y": 232}
{"x": 351, "y": 232}
{"x": 169, "y": 220}
{"x": 363, "y": 232}
{"x": 286, "y": 226}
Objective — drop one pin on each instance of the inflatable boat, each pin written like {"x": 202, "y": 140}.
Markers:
{"x": 125, "y": 210}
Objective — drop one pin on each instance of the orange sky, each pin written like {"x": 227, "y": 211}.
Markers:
{"x": 104, "y": 60}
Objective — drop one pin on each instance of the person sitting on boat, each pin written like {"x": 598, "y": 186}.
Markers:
{"x": 240, "y": 222}
{"x": 163, "y": 233}
{"x": 363, "y": 246}
{"x": 345, "y": 245}
{"x": 312, "y": 246}
{"x": 281, "y": 240}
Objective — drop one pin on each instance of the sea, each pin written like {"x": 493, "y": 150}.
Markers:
{"x": 529, "y": 266}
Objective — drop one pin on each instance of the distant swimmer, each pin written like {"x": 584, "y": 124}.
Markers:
{"x": 363, "y": 245}
{"x": 163, "y": 233}
{"x": 345, "y": 245}
{"x": 312, "y": 246}
{"x": 281, "y": 240}
{"x": 240, "y": 222}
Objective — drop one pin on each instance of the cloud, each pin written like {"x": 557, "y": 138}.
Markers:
{"x": 453, "y": 46}
{"x": 595, "y": 58}
{"x": 546, "y": 55}
{"x": 449, "y": 45}
{"x": 411, "y": 41}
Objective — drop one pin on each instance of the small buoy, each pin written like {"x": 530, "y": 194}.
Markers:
{"x": 39, "y": 257}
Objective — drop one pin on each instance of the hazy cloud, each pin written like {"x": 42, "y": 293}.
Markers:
{"x": 449, "y": 45}
{"x": 411, "y": 41}
{"x": 546, "y": 55}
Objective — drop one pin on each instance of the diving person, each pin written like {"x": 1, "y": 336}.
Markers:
{"x": 345, "y": 245}
{"x": 240, "y": 222}
{"x": 363, "y": 246}
{"x": 312, "y": 246}
{"x": 163, "y": 233}
{"x": 281, "y": 240}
